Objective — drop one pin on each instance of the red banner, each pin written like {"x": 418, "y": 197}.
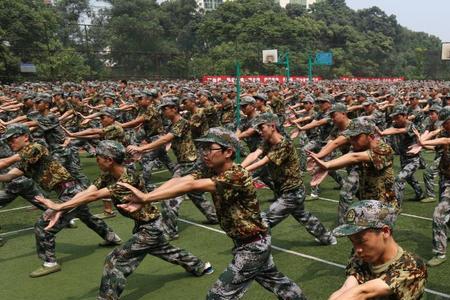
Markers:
{"x": 383, "y": 79}
{"x": 257, "y": 78}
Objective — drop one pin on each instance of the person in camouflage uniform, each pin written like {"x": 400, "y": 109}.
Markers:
{"x": 147, "y": 235}
{"x": 278, "y": 153}
{"x": 375, "y": 159}
{"x": 441, "y": 215}
{"x": 431, "y": 124}
{"x": 404, "y": 137}
{"x": 338, "y": 140}
{"x": 323, "y": 123}
{"x": 212, "y": 114}
{"x": 227, "y": 110}
{"x": 276, "y": 103}
{"x": 111, "y": 130}
{"x": 179, "y": 134}
{"x": 260, "y": 103}
{"x": 239, "y": 216}
{"x": 34, "y": 161}
{"x": 196, "y": 116}
{"x": 379, "y": 267}
{"x": 55, "y": 138}
{"x": 151, "y": 129}
{"x": 18, "y": 187}
{"x": 372, "y": 114}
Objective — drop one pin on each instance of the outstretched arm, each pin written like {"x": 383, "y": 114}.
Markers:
{"x": 188, "y": 184}
{"x": 7, "y": 161}
{"x": 251, "y": 157}
{"x": 342, "y": 161}
{"x": 331, "y": 146}
{"x": 368, "y": 290}
{"x": 13, "y": 173}
{"x": 258, "y": 164}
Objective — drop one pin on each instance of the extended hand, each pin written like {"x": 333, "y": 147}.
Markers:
{"x": 47, "y": 202}
{"x": 138, "y": 195}
{"x": 130, "y": 207}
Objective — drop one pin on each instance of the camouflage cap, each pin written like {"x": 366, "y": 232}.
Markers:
{"x": 28, "y": 96}
{"x": 325, "y": 98}
{"x": 168, "y": 101}
{"x": 42, "y": 97}
{"x": 399, "y": 110}
{"x": 247, "y": 100}
{"x": 77, "y": 94}
{"x": 309, "y": 99}
{"x": 109, "y": 95}
{"x": 366, "y": 214}
{"x": 444, "y": 114}
{"x": 151, "y": 92}
{"x": 414, "y": 96}
{"x": 260, "y": 96}
{"x": 221, "y": 136}
{"x": 338, "y": 107}
{"x": 205, "y": 93}
{"x": 369, "y": 101}
{"x": 435, "y": 107}
{"x": 14, "y": 130}
{"x": 108, "y": 111}
{"x": 264, "y": 118}
{"x": 111, "y": 149}
{"x": 358, "y": 126}
{"x": 187, "y": 96}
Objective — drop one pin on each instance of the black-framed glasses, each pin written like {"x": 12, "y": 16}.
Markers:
{"x": 208, "y": 150}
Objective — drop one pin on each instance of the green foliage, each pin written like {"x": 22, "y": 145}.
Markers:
{"x": 138, "y": 38}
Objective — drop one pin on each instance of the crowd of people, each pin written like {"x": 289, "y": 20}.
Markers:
{"x": 228, "y": 146}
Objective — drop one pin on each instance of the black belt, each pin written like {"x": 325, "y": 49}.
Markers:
{"x": 250, "y": 239}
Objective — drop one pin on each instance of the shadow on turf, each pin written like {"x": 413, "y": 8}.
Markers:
{"x": 140, "y": 285}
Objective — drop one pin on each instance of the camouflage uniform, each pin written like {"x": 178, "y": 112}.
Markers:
{"x": 323, "y": 133}
{"x": 432, "y": 169}
{"x": 408, "y": 164}
{"x": 147, "y": 239}
{"x": 239, "y": 216}
{"x": 441, "y": 215}
{"x": 212, "y": 115}
{"x": 228, "y": 115}
{"x": 54, "y": 137}
{"x": 18, "y": 187}
{"x": 405, "y": 274}
{"x": 373, "y": 179}
{"x": 284, "y": 169}
{"x": 37, "y": 164}
{"x": 153, "y": 129}
{"x": 186, "y": 154}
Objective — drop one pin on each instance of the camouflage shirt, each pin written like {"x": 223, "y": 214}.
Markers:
{"x": 227, "y": 112}
{"x": 212, "y": 115}
{"x": 114, "y": 132}
{"x": 37, "y": 164}
{"x": 51, "y": 130}
{"x": 199, "y": 123}
{"x": 284, "y": 165}
{"x": 277, "y": 104}
{"x": 148, "y": 213}
{"x": 235, "y": 202}
{"x": 183, "y": 144}
{"x": 377, "y": 175}
{"x": 404, "y": 140}
{"x": 444, "y": 163}
{"x": 254, "y": 140}
{"x": 153, "y": 124}
{"x": 406, "y": 275}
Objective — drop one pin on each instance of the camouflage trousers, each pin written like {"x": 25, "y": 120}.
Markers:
{"x": 409, "y": 166}
{"x": 429, "y": 176}
{"x": 147, "y": 239}
{"x": 293, "y": 203}
{"x": 253, "y": 261}
{"x": 45, "y": 239}
{"x": 441, "y": 217}
{"x": 21, "y": 187}
{"x": 350, "y": 186}
{"x": 170, "y": 207}
{"x": 315, "y": 146}
{"x": 150, "y": 159}
{"x": 70, "y": 159}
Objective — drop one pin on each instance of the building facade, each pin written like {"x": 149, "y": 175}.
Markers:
{"x": 306, "y": 3}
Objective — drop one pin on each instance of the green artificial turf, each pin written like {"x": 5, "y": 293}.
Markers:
{"x": 82, "y": 260}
